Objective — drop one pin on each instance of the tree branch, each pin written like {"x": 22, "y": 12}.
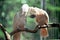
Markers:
{"x": 54, "y": 25}
{"x": 36, "y": 28}
{"x": 6, "y": 34}
{"x": 27, "y": 30}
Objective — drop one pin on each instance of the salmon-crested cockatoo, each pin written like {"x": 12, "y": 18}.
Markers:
{"x": 19, "y": 20}
{"x": 41, "y": 18}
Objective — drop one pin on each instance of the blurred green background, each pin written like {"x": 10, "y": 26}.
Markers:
{"x": 8, "y": 8}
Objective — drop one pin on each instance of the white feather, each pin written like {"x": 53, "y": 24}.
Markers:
{"x": 25, "y": 7}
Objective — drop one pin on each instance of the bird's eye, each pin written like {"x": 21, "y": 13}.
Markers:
{"x": 32, "y": 16}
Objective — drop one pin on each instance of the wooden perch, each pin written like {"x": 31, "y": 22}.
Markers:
{"x": 36, "y": 28}
{"x": 7, "y": 36}
{"x": 54, "y": 25}
{"x": 25, "y": 29}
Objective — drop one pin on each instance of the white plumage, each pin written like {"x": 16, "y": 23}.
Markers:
{"x": 25, "y": 7}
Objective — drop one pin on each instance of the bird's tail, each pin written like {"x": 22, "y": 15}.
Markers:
{"x": 44, "y": 32}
